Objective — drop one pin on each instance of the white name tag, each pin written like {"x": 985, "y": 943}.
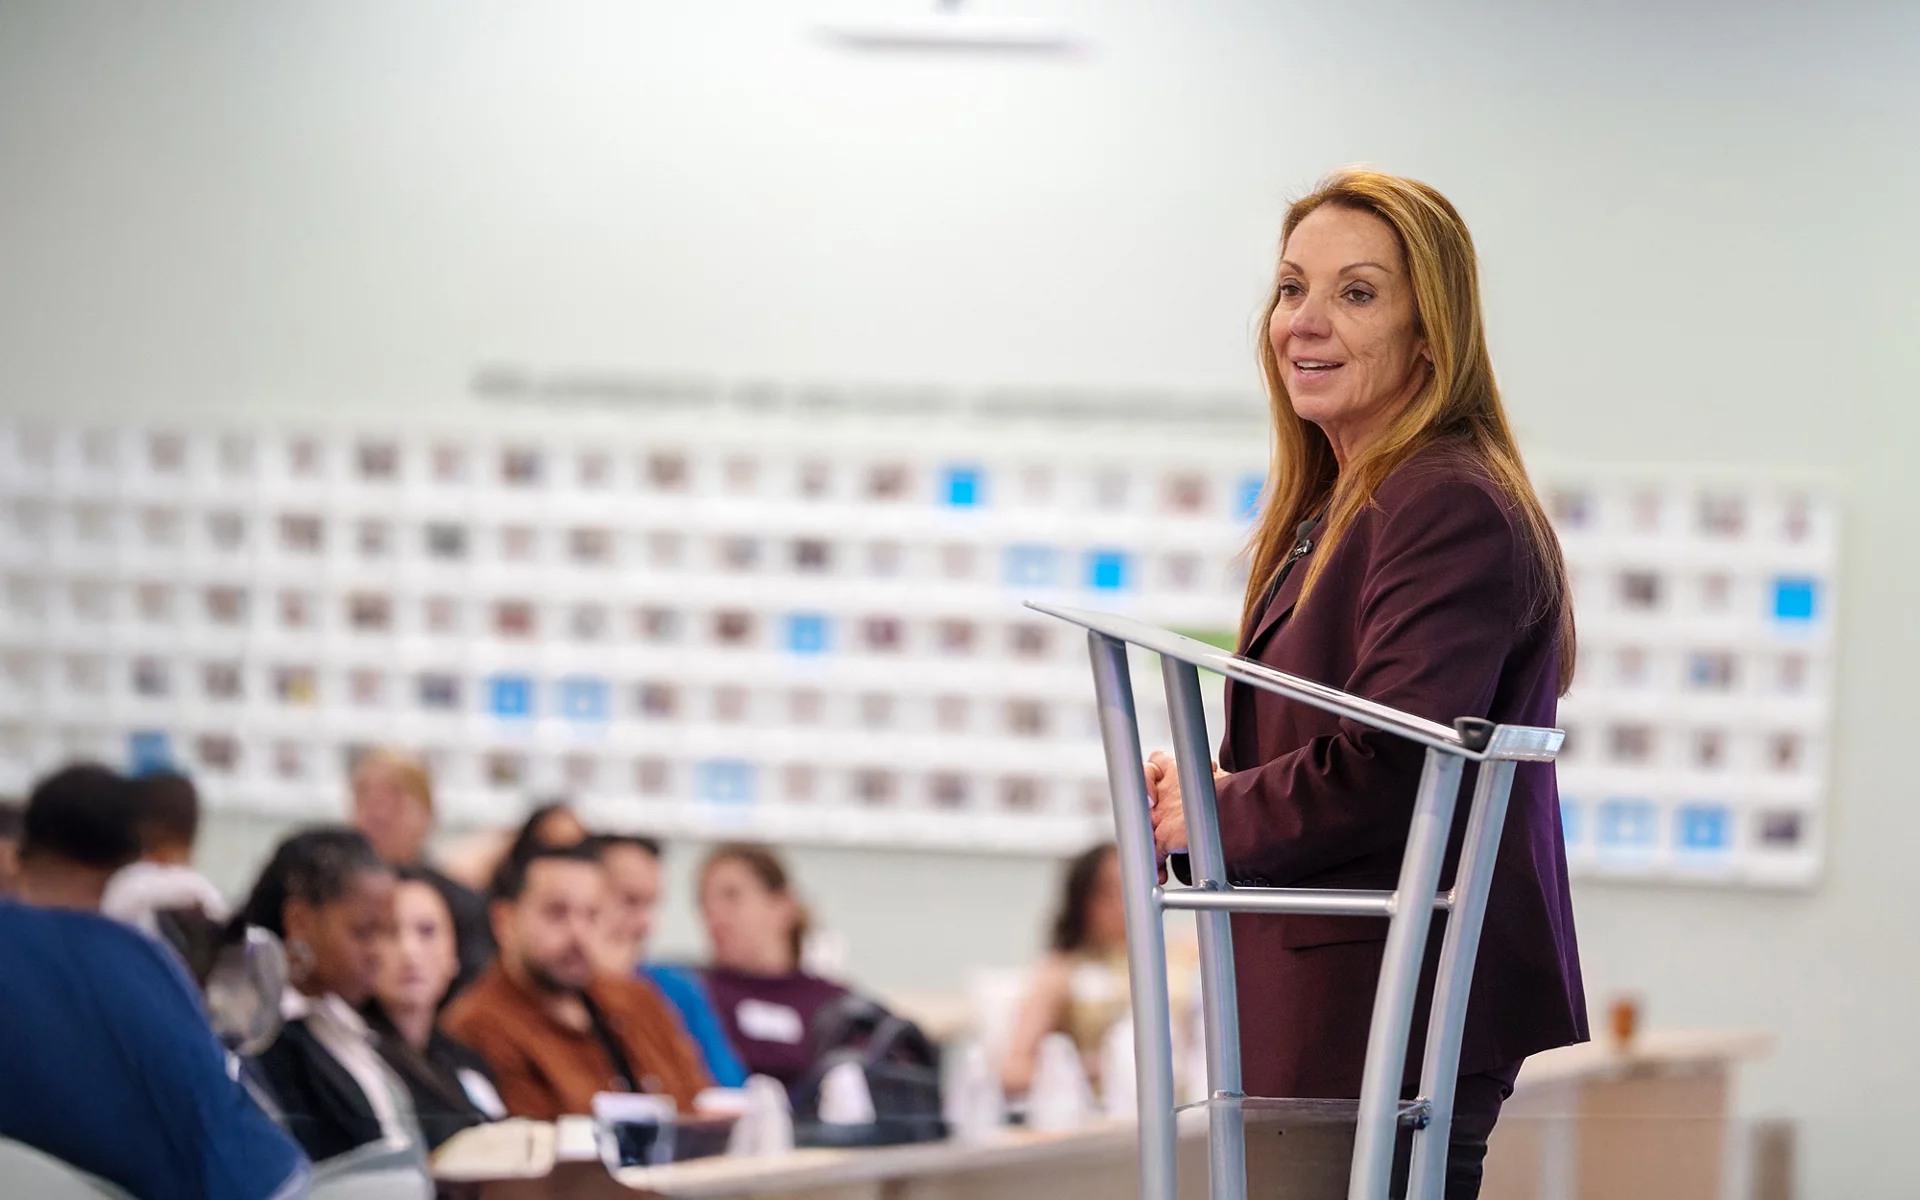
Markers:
{"x": 766, "y": 1022}
{"x": 480, "y": 1090}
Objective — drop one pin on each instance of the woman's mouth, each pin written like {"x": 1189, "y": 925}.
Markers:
{"x": 1316, "y": 366}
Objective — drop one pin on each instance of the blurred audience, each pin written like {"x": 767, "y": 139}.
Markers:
{"x": 330, "y": 899}
{"x": 107, "y": 1058}
{"x": 633, "y": 870}
{"x": 1080, "y": 987}
{"x": 551, "y": 824}
{"x": 155, "y": 892}
{"x": 553, "y": 1028}
{"x": 451, "y": 1086}
{"x": 393, "y": 807}
{"x": 9, "y": 846}
{"x": 80, "y": 828}
{"x": 758, "y": 928}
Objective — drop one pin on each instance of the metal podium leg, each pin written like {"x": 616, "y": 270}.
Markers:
{"x": 1220, "y": 1004}
{"x": 1454, "y": 980}
{"x": 1400, "y": 977}
{"x": 1146, "y": 938}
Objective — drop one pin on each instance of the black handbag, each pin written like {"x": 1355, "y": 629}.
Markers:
{"x": 902, "y": 1069}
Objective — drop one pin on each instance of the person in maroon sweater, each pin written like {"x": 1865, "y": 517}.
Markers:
{"x": 757, "y": 926}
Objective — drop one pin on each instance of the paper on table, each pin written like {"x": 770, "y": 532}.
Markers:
{"x": 1060, "y": 1099}
{"x": 511, "y": 1149}
{"x": 844, "y": 1098}
{"x": 576, "y": 1140}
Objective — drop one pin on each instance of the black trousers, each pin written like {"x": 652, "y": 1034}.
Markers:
{"x": 1476, "y": 1106}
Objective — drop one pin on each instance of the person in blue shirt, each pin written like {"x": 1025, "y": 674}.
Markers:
{"x": 108, "y": 1060}
{"x": 633, "y": 863}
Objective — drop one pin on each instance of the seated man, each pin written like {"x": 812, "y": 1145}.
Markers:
{"x": 553, "y": 1033}
{"x": 108, "y": 1061}
{"x": 633, "y": 868}
{"x": 9, "y": 846}
{"x": 163, "y": 881}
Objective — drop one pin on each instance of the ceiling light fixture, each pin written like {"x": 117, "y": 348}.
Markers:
{"x": 950, "y": 28}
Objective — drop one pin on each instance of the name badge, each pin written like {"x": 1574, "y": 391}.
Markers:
{"x": 763, "y": 1021}
{"x": 480, "y": 1090}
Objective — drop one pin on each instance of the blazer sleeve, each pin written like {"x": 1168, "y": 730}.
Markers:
{"x": 1438, "y": 610}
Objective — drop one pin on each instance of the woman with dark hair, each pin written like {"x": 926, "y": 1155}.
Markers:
{"x": 451, "y": 1086}
{"x": 758, "y": 927}
{"x": 1080, "y": 987}
{"x": 329, "y": 898}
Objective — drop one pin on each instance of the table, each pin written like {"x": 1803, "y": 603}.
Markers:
{"x": 1651, "y": 1119}
{"x": 1093, "y": 1163}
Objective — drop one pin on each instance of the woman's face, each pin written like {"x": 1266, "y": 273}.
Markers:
{"x": 749, "y": 924}
{"x": 420, "y": 962}
{"x": 391, "y": 816}
{"x": 1106, "y": 909}
{"x": 347, "y": 937}
{"x": 1345, "y": 331}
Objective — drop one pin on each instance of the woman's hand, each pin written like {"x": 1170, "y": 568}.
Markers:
{"x": 1163, "y": 788}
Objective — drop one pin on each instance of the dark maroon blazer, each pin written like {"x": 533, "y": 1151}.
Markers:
{"x": 1428, "y": 603}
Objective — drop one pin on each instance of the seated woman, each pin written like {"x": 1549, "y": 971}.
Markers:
{"x": 451, "y": 1086}
{"x": 757, "y": 927}
{"x": 329, "y": 898}
{"x": 1080, "y": 987}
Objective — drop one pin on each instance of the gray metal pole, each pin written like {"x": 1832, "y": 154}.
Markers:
{"x": 1400, "y": 977}
{"x": 1146, "y": 937}
{"x": 1219, "y": 998}
{"x": 1454, "y": 980}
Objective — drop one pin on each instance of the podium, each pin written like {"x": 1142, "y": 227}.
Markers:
{"x": 1379, "y": 1117}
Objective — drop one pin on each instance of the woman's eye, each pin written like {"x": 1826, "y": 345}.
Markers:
{"x": 1291, "y": 290}
{"x": 1359, "y": 295}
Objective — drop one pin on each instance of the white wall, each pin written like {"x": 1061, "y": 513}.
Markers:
{"x": 1693, "y": 217}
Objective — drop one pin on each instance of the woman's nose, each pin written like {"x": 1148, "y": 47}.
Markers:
{"x": 1310, "y": 320}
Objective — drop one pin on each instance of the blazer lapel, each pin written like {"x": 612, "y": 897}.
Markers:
{"x": 1277, "y": 608}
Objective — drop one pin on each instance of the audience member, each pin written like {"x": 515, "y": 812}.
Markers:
{"x": 9, "y": 846}
{"x": 633, "y": 868}
{"x": 766, "y": 1002}
{"x": 329, "y": 898}
{"x": 552, "y": 824}
{"x": 163, "y": 881}
{"x": 451, "y": 1086}
{"x": 553, "y": 1033}
{"x": 393, "y": 807}
{"x": 79, "y": 828}
{"x": 108, "y": 1060}
{"x": 1080, "y": 987}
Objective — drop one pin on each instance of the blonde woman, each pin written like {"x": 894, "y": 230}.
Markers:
{"x": 393, "y": 808}
{"x": 1402, "y": 555}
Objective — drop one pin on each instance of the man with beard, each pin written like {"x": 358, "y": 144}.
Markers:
{"x": 554, "y": 1031}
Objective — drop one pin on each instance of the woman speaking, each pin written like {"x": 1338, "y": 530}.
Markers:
{"x": 1401, "y": 555}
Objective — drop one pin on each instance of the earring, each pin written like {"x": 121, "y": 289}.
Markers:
{"x": 299, "y": 960}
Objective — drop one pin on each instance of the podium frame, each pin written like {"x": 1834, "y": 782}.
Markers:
{"x": 1213, "y": 899}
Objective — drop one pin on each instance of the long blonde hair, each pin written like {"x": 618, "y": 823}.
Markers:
{"x": 1459, "y": 401}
